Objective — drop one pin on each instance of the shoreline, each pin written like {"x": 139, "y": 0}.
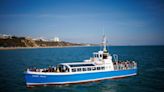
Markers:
{"x": 15, "y": 48}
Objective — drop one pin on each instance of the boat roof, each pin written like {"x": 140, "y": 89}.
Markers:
{"x": 78, "y": 64}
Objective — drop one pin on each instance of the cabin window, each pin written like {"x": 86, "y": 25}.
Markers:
{"x": 84, "y": 69}
{"x": 74, "y": 70}
{"x": 102, "y": 68}
{"x": 96, "y": 55}
{"x": 98, "y": 68}
{"x": 106, "y": 67}
{"x": 105, "y": 56}
{"x": 79, "y": 69}
{"x": 89, "y": 69}
{"x": 93, "y": 68}
{"x": 100, "y": 55}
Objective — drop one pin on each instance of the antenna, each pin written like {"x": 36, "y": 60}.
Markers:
{"x": 104, "y": 41}
{"x": 103, "y": 31}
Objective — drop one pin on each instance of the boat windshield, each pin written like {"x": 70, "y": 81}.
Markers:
{"x": 105, "y": 55}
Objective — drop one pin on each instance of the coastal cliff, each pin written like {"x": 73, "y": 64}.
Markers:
{"x": 28, "y": 42}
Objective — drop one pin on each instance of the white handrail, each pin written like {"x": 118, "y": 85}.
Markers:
{"x": 115, "y": 56}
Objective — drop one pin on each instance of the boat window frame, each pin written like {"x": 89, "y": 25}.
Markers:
{"x": 78, "y": 69}
{"x": 98, "y": 68}
{"x": 89, "y": 69}
{"x": 74, "y": 70}
{"x": 102, "y": 68}
{"x": 84, "y": 69}
{"x": 94, "y": 68}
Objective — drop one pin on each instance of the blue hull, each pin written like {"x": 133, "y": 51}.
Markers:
{"x": 36, "y": 79}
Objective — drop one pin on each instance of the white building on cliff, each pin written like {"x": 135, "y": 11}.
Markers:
{"x": 56, "y": 39}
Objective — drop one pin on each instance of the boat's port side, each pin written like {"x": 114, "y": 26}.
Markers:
{"x": 75, "y": 78}
{"x": 66, "y": 68}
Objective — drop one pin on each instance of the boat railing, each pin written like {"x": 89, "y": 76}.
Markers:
{"x": 49, "y": 69}
{"x": 124, "y": 65}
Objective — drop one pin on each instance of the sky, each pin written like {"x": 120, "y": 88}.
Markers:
{"x": 124, "y": 22}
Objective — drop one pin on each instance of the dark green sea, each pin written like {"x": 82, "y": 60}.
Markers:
{"x": 150, "y": 76}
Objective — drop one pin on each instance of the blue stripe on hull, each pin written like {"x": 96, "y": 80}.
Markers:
{"x": 74, "y": 78}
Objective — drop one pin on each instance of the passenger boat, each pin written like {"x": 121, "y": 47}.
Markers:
{"x": 98, "y": 67}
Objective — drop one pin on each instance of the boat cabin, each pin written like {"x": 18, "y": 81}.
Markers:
{"x": 78, "y": 67}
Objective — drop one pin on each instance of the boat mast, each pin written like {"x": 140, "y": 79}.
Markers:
{"x": 104, "y": 44}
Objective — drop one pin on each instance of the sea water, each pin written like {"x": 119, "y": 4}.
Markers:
{"x": 150, "y": 77}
